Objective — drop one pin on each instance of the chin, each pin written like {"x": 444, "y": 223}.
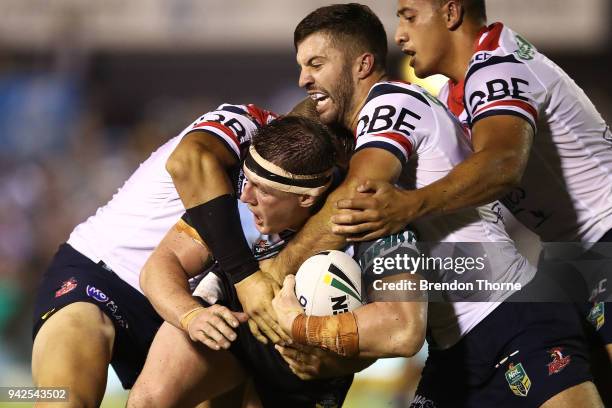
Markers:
{"x": 422, "y": 72}
{"x": 329, "y": 117}
{"x": 263, "y": 229}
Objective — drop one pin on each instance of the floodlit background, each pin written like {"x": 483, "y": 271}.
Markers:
{"x": 88, "y": 89}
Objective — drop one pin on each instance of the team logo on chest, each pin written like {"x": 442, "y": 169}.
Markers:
{"x": 559, "y": 361}
{"x": 260, "y": 247}
{"x": 518, "y": 380}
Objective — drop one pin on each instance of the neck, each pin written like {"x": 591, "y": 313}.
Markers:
{"x": 359, "y": 97}
{"x": 461, "y": 50}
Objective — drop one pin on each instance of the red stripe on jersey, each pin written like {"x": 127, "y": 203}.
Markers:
{"x": 260, "y": 115}
{"x": 222, "y": 128}
{"x": 519, "y": 104}
{"x": 491, "y": 42}
{"x": 401, "y": 139}
{"x": 455, "y": 97}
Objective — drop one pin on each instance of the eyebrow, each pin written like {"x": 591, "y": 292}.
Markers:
{"x": 403, "y": 10}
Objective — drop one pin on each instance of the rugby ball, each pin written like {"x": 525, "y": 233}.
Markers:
{"x": 329, "y": 283}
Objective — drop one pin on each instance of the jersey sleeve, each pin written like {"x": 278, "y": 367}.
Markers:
{"x": 502, "y": 85}
{"x": 393, "y": 119}
{"x": 234, "y": 125}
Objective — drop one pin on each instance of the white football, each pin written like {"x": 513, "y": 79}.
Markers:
{"x": 329, "y": 283}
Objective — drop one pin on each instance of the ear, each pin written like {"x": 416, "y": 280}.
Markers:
{"x": 306, "y": 200}
{"x": 453, "y": 12}
{"x": 364, "y": 65}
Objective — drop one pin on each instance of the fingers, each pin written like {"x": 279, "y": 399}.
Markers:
{"x": 265, "y": 328}
{"x": 242, "y": 317}
{"x": 288, "y": 285}
{"x": 271, "y": 329}
{"x": 371, "y": 236}
{"x": 358, "y": 230}
{"x": 226, "y": 314}
{"x": 214, "y": 327}
{"x": 357, "y": 203}
{"x": 370, "y": 186}
{"x": 303, "y": 365}
{"x": 210, "y": 336}
{"x": 256, "y": 332}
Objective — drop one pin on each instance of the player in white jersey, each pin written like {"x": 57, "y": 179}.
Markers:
{"x": 289, "y": 170}
{"x": 540, "y": 145}
{"x": 401, "y": 130}
{"x": 89, "y": 310}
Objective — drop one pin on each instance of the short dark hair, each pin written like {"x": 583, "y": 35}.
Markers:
{"x": 476, "y": 9}
{"x": 342, "y": 21}
{"x": 297, "y": 145}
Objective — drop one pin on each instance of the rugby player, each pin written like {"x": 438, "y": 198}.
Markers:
{"x": 405, "y": 135}
{"x": 540, "y": 146}
{"x": 202, "y": 353}
{"x": 89, "y": 309}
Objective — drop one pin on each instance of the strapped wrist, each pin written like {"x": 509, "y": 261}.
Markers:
{"x": 338, "y": 334}
{"x": 218, "y": 223}
{"x": 188, "y": 316}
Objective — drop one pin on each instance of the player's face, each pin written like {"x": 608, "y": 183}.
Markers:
{"x": 273, "y": 210}
{"x": 327, "y": 77}
{"x": 421, "y": 33}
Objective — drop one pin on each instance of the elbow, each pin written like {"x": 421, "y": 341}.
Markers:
{"x": 185, "y": 159}
{"x": 509, "y": 171}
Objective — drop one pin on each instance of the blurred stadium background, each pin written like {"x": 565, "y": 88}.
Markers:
{"x": 88, "y": 89}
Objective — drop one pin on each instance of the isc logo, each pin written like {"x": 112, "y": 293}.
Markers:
{"x": 339, "y": 304}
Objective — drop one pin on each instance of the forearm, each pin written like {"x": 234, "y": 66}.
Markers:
{"x": 315, "y": 236}
{"x": 390, "y": 329}
{"x": 167, "y": 288}
{"x": 376, "y": 330}
{"x": 482, "y": 178}
{"x": 502, "y": 145}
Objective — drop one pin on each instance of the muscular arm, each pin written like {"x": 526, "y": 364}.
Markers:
{"x": 385, "y": 328}
{"x": 165, "y": 275}
{"x": 501, "y": 150}
{"x": 199, "y": 160}
{"x": 198, "y": 167}
{"x": 316, "y": 235}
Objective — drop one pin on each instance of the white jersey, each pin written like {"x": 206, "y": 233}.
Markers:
{"x": 124, "y": 232}
{"x": 566, "y": 191}
{"x": 418, "y": 129}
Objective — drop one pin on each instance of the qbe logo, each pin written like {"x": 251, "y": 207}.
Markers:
{"x": 96, "y": 293}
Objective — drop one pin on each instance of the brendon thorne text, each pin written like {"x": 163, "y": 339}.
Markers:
{"x": 424, "y": 285}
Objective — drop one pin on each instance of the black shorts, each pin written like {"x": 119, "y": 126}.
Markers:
{"x": 276, "y": 384}
{"x": 72, "y": 277}
{"x": 520, "y": 355}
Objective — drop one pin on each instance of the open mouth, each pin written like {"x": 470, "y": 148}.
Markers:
{"x": 319, "y": 99}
